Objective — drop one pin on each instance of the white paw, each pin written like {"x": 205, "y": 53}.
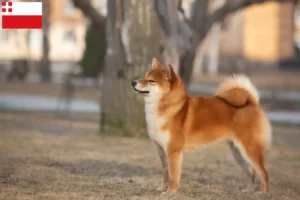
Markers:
{"x": 164, "y": 194}
{"x": 163, "y": 187}
{"x": 248, "y": 189}
{"x": 167, "y": 194}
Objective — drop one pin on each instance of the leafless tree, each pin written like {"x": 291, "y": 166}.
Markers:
{"x": 184, "y": 35}
{"x": 45, "y": 65}
{"x": 136, "y": 31}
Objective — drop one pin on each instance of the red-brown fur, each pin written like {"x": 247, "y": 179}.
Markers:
{"x": 196, "y": 121}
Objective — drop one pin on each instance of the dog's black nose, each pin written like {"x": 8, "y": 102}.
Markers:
{"x": 133, "y": 83}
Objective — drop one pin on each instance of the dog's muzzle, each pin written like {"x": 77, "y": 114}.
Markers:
{"x": 134, "y": 83}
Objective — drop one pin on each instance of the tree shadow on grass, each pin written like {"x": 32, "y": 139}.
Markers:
{"x": 100, "y": 168}
{"x": 88, "y": 167}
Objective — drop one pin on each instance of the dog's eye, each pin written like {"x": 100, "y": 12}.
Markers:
{"x": 151, "y": 81}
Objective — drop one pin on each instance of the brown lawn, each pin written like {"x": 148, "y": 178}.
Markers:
{"x": 43, "y": 157}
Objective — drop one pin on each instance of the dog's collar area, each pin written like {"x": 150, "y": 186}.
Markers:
{"x": 140, "y": 91}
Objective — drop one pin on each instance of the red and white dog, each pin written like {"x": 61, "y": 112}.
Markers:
{"x": 177, "y": 122}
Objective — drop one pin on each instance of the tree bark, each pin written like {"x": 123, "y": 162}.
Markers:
{"x": 45, "y": 67}
{"x": 213, "y": 61}
{"x": 132, "y": 29}
{"x": 199, "y": 25}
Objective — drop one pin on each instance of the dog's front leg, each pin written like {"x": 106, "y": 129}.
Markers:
{"x": 164, "y": 162}
{"x": 174, "y": 165}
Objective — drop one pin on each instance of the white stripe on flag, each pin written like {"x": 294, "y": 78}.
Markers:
{"x": 24, "y": 8}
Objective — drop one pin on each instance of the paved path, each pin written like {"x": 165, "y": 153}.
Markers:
{"x": 264, "y": 94}
{"x": 195, "y": 88}
{"x": 38, "y": 103}
{"x": 283, "y": 117}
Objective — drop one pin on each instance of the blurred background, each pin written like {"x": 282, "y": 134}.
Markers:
{"x": 65, "y": 88}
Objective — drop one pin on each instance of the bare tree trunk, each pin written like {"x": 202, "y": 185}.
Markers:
{"x": 132, "y": 29}
{"x": 199, "y": 58}
{"x": 213, "y": 61}
{"x": 186, "y": 42}
{"x": 45, "y": 67}
{"x": 184, "y": 34}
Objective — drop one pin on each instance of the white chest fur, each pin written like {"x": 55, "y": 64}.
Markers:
{"x": 155, "y": 124}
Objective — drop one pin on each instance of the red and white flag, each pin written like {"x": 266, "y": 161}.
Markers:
{"x": 22, "y": 15}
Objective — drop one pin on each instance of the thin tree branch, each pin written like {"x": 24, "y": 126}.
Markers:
{"x": 174, "y": 28}
{"x": 230, "y": 7}
{"x": 201, "y": 30}
{"x": 161, "y": 7}
{"x": 199, "y": 18}
{"x": 181, "y": 10}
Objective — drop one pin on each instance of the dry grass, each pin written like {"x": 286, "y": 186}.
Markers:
{"x": 46, "y": 158}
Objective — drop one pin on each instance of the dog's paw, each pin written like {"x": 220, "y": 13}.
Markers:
{"x": 248, "y": 189}
{"x": 168, "y": 193}
{"x": 162, "y": 187}
{"x": 164, "y": 194}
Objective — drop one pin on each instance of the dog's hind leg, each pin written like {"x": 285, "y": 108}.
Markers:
{"x": 242, "y": 162}
{"x": 255, "y": 154}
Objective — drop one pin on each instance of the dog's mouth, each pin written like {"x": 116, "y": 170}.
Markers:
{"x": 140, "y": 91}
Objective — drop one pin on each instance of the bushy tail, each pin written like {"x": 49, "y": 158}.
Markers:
{"x": 238, "y": 91}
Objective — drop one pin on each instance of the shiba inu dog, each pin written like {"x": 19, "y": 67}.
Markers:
{"x": 178, "y": 122}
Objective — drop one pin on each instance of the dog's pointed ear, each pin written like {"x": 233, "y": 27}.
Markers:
{"x": 156, "y": 64}
{"x": 170, "y": 73}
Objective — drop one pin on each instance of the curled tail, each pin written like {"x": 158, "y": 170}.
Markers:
{"x": 238, "y": 91}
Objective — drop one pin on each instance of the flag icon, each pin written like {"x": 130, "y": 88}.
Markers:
{"x": 22, "y": 15}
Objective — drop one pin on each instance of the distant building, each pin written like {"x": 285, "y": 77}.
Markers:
{"x": 67, "y": 32}
{"x": 67, "y": 38}
{"x": 258, "y": 38}
{"x": 263, "y": 37}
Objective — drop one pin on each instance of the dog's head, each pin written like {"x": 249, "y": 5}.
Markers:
{"x": 157, "y": 81}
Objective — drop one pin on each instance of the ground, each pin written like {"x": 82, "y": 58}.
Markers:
{"x": 45, "y": 157}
